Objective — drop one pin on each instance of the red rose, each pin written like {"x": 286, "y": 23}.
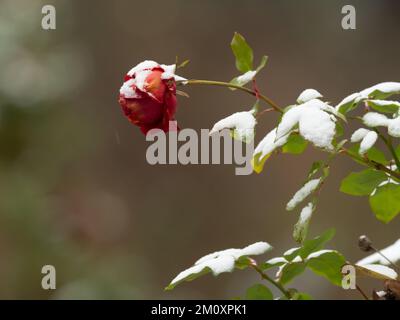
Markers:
{"x": 148, "y": 96}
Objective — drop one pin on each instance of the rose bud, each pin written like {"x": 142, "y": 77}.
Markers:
{"x": 148, "y": 96}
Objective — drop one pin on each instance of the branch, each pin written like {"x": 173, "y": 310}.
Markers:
{"x": 270, "y": 280}
{"x": 234, "y": 86}
{"x": 371, "y": 163}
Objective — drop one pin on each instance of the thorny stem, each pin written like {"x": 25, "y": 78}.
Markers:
{"x": 234, "y": 86}
{"x": 270, "y": 280}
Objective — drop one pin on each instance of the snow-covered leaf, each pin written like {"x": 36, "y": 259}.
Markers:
{"x": 391, "y": 252}
{"x": 376, "y": 92}
{"x": 375, "y": 119}
{"x": 265, "y": 148}
{"x": 244, "y": 78}
{"x": 368, "y": 142}
{"x": 241, "y": 124}
{"x": 315, "y": 120}
{"x": 308, "y": 95}
{"x": 384, "y": 106}
{"x": 301, "y": 227}
{"x": 377, "y": 271}
{"x": 308, "y": 188}
{"x": 359, "y": 134}
{"x": 219, "y": 262}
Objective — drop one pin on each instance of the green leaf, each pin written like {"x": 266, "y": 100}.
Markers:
{"x": 328, "y": 265}
{"x": 257, "y": 163}
{"x": 189, "y": 277}
{"x": 362, "y": 183}
{"x": 373, "y": 154}
{"x": 398, "y": 151}
{"x": 242, "y": 52}
{"x": 315, "y": 167}
{"x": 302, "y": 296}
{"x": 385, "y": 202}
{"x": 384, "y": 106}
{"x": 290, "y": 271}
{"x": 263, "y": 63}
{"x": 245, "y": 78}
{"x": 301, "y": 227}
{"x": 259, "y": 292}
{"x": 295, "y": 145}
{"x": 271, "y": 263}
{"x": 310, "y": 246}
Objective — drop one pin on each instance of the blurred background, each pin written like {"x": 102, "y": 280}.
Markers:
{"x": 76, "y": 191}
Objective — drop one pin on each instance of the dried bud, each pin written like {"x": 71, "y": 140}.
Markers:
{"x": 364, "y": 243}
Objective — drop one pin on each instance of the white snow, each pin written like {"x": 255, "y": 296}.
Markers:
{"x": 317, "y": 127}
{"x": 242, "y": 122}
{"x": 221, "y": 261}
{"x": 374, "y": 119}
{"x": 384, "y": 103}
{"x": 306, "y": 214}
{"x": 127, "y": 90}
{"x": 140, "y": 72}
{"x": 255, "y": 249}
{"x": 246, "y": 77}
{"x": 392, "y": 252}
{"x": 169, "y": 73}
{"x": 308, "y": 95}
{"x": 276, "y": 260}
{"x": 289, "y": 120}
{"x": 140, "y": 79}
{"x": 319, "y": 253}
{"x": 269, "y": 143}
{"x": 303, "y": 193}
{"x": 394, "y": 127}
{"x": 359, "y": 134}
{"x": 290, "y": 251}
{"x": 368, "y": 142}
{"x": 353, "y": 97}
{"x": 384, "y": 87}
{"x": 381, "y": 270}
{"x": 145, "y": 65}
{"x": 315, "y": 124}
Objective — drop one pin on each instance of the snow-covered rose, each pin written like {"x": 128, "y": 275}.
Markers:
{"x": 148, "y": 95}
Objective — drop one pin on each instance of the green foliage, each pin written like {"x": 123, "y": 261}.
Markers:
{"x": 290, "y": 271}
{"x": 243, "y": 53}
{"x": 373, "y": 154}
{"x": 362, "y": 183}
{"x": 386, "y": 107}
{"x": 259, "y": 292}
{"x": 316, "y": 244}
{"x": 328, "y": 265}
{"x": 300, "y": 230}
{"x": 296, "y": 145}
{"x": 385, "y": 202}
